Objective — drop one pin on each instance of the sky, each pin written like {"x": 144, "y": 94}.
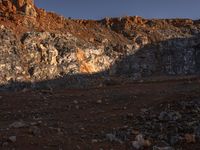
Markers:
{"x": 98, "y": 9}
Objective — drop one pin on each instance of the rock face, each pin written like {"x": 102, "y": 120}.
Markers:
{"x": 22, "y": 3}
{"x": 25, "y": 6}
{"x": 40, "y": 56}
{"x": 131, "y": 46}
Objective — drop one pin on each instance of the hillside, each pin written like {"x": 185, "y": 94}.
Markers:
{"x": 112, "y": 84}
{"x": 39, "y": 45}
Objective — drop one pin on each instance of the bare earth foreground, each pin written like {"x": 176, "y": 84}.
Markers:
{"x": 148, "y": 115}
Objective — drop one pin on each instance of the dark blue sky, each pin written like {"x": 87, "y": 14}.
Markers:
{"x": 98, "y": 9}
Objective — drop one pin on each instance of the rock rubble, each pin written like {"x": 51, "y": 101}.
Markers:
{"x": 177, "y": 125}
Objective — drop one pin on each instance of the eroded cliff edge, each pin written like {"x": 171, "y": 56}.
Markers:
{"x": 36, "y": 45}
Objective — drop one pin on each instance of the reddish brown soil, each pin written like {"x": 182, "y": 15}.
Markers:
{"x": 92, "y": 31}
{"x": 72, "y": 119}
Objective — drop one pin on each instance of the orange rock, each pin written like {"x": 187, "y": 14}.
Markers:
{"x": 190, "y": 138}
{"x": 21, "y": 3}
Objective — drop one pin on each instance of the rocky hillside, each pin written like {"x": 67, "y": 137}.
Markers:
{"x": 36, "y": 45}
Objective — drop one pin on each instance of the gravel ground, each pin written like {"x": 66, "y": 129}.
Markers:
{"x": 160, "y": 115}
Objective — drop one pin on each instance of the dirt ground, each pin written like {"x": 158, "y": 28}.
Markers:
{"x": 73, "y": 119}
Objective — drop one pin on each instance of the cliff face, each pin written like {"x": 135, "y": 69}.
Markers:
{"x": 37, "y": 45}
{"x": 14, "y": 6}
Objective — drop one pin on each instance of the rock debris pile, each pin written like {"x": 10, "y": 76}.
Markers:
{"x": 170, "y": 128}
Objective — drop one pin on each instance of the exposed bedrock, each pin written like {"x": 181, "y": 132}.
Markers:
{"x": 37, "y": 46}
{"x": 39, "y": 56}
